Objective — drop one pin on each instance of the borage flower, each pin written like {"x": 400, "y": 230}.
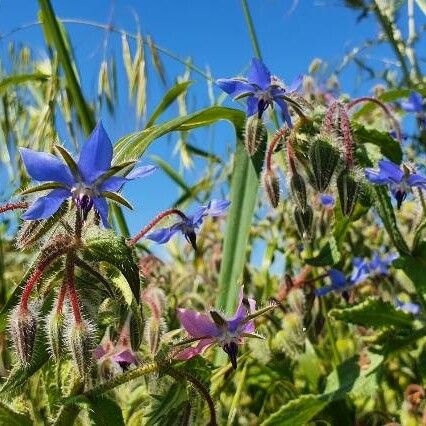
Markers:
{"x": 261, "y": 90}
{"x": 88, "y": 182}
{"x": 400, "y": 181}
{"x": 408, "y": 307}
{"x": 380, "y": 265}
{"x": 217, "y": 330}
{"x": 415, "y": 103}
{"x": 187, "y": 225}
{"x": 327, "y": 201}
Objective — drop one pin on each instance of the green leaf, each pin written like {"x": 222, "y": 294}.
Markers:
{"x": 68, "y": 160}
{"x": 167, "y": 100}
{"x": 329, "y": 255}
{"x": 135, "y": 144}
{"x": 389, "y": 147}
{"x": 18, "y": 79}
{"x": 347, "y": 378}
{"x": 43, "y": 187}
{"x": 117, "y": 198}
{"x": 387, "y": 214}
{"x": 104, "y": 411}
{"x": 12, "y": 418}
{"x": 374, "y": 313}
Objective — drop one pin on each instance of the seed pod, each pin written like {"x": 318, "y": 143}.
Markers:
{"x": 80, "y": 345}
{"x": 272, "y": 187}
{"x": 304, "y": 219}
{"x": 298, "y": 189}
{"x": 55, "y": 333}
{"x": 348, "y": 187}
{"x": 324, "y": 159}
{"x": 23, "y": 328}
{"x": 255, "y": 134}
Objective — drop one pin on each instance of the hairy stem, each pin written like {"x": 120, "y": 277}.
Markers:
{"x": 13, "y": 206}
{"x": 281, "y": 133}
{"x": 72, "y": 292}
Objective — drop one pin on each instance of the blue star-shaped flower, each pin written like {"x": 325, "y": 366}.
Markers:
{"x": 415, "y": 103}
{"x": 399, "y": 181}
{"x": 188, "y": 224}
{"x": 261, "y": 90}
{"x": 88, "y": 182}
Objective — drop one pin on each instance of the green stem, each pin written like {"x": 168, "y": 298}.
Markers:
{"x": 422, "y": 200}
{"x": 120, "y": 221}
{"x": 252, "y": 31}
{"x": 331, "y": 336}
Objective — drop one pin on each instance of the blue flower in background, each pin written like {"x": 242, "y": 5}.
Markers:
{"x": 88, "y": 182}
{"x": 409, "y": 307}
{"x": 339, "y": 283}
{"x": 189, "y": 224}
{"x": 261, "y": 90}
{"x": 415, "y": 103}
{"x": 327, "y": 200}
{"x": 399, "y": 181}
{"x": 380, "y": 265}
{"x": 361, "y": 270}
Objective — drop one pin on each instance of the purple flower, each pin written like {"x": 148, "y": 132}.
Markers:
{"x": 261, "y": 90}
{"x": 399, "y": 180}
{"x": 187, "y": 225}
{"x": 88, "y": 182}
{"x": 214, "y": 329}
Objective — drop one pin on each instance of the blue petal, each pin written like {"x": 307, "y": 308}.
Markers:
{"x": 392, "y": 170}
{"x": 252, "y": 106}
{"x": 376, "y": 176}
{"x": 338, "y": 278}
{"x": 142, "y": 171}
{"x": 284, "y": 109}
{"x": 112, "y": 184}
{"x": 162, "y": 236}
{"x": 411, "y": 308}
{"x": 327, "y": 200}
{"x": 258, "y": 74}
{"x": 296, "y": 83}
{"x": 235, "y": 87}
{"x": 46, "y": 206}
{"x": 323, "y": 291}
{"x": 102, "y": 207}
{"x": 416, "y": 180}
{"x": 96, "y": 155}
{"x": 414, "y": 103}
{"x": 46, "y": 167}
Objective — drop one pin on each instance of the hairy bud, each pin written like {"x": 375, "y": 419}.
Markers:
{"x": 304, "y": 219}
{"x": 55, "y": 327}
{"x": 348, "y": 187}
{"x": 298, "y": 189}
{"x": 324, "y": 159}
{"x": 272, "y": 187}
{"x": 255, "y": 134}
{"x": 23, "y": 328}
{"x": 80, "y": 345}
{"x": 296, "y": 300}
{"x": 154, "y": 330}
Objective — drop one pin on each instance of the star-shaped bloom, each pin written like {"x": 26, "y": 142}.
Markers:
{"x": 214, "y": 329}
{"x": 187, "y": 225}
{"x": 415, "y": 103}
{"x": 261, "y": 89}
{"x": 87, "y": 182}
{"x": 400, "y": 181}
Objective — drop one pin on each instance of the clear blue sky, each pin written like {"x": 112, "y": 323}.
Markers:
{"x": 213, "y": 33}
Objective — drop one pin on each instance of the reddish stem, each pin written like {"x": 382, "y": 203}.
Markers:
{"x": 72, "y": 292}
{"x": 13, "y": 206}
{"x": 348, "y": 142}
{"x": 154, "y": 222}
{"x": 383, "y": 107}
{"x": 281, "y": 133}
{"x": 61, "y": 298}
{"x": 328, "y": 123}
{"x": 291, "y": 156}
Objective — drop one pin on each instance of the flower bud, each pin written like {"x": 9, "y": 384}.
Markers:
{"x": 324, "y": 159}
{"x": 348, "y": 187}
{"x": 298, "y": 189}
{"x": 154, "y": 329}
{"x": 55, "y": 323}
{"x": 304, "y": 219}
{"x": 255, "y": 134}
{"x": 23, "y": 327}
{"x": 80, "y": 345}
{"x": 296, "y": 300}
{"x": 272, "y": 187}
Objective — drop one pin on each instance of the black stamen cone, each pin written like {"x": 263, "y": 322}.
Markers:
{"x": 85, "y": 203}
{"x": 262, "y": 106}
{"x": 192, "y": 239}
{"x": 232, "y": 350}
{"x": 400, "y": 197}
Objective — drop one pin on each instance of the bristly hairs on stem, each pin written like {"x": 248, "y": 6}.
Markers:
{"x": 279, "y": 136}
{"x": 154, "y": 222}
{"x": 13, "y": 206}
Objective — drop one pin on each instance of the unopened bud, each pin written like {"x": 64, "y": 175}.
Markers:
{"x": 296, "y": 300}
{"x": 272, "y": 187}
{"x": 348, "y": 187}
{"x": 324, "y": 159}
{"x": 23, "y": 328}
{"x": 154, "y": 329}
{"x": 80, "y": 345}
{"x": 255, "y": 134}
{"x": 304, "y": 219}
{"x": 55, "y": 323}
{"x": 298, "y": 189}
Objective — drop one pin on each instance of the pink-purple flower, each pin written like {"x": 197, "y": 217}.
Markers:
{"x": 400, "y": 181}
{"x": 88, "y": 182}
{"x": 214, "y": 329}
{"x": 187, "y": 225}
{"x": 261, "y": 90}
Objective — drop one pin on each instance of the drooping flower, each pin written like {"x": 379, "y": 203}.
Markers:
{"x": 214, "y": 329}
{"x": 187, "y": 225}
{"x": 87, "y": 182}
{"x": 400, "y": 181}
{"x": 261, "y": 90}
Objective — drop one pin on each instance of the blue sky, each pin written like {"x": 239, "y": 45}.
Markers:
{"x": 212, "y": 33}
